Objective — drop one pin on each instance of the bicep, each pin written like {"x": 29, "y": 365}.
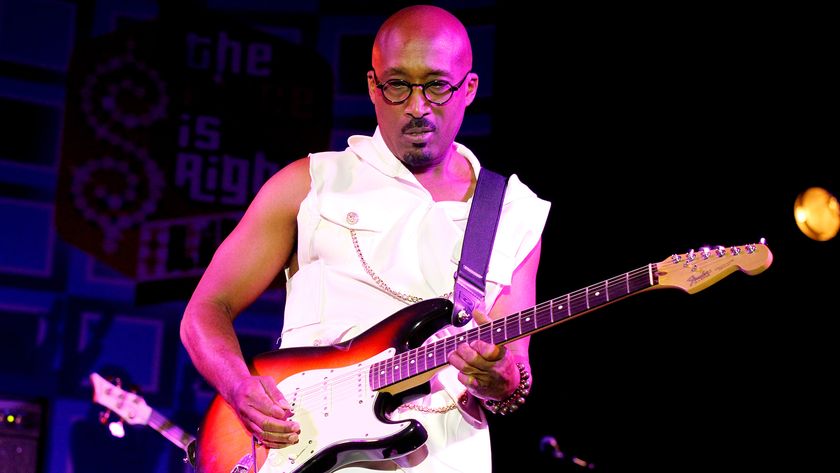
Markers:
{"x": 256, "y": 250}
{"x": 521, "y": 294}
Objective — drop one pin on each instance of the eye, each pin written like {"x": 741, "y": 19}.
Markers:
{"x": 438, "y": 87}
{"x": 397, "y": 85}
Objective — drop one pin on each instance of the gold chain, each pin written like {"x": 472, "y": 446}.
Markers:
{"x": 421, "y": 408}
{"x": 463, "y": 399}
{"x": 382, "y": 284}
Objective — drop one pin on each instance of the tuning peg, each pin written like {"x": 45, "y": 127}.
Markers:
{"x": 720, "y": 251}
{"x": 104, "y": 416}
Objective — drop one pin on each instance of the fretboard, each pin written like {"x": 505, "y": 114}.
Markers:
{"x": 498, "y": 332}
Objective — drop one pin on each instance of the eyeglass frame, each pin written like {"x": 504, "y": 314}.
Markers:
{"x": 411, "y": 86}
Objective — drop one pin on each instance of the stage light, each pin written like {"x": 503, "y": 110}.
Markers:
{"x": 817, "y": 214}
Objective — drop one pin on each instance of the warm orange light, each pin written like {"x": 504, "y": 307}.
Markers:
{"x": 817, "y": 214}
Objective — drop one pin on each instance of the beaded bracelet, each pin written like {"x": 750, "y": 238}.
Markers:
{"x": 517, "y": 398}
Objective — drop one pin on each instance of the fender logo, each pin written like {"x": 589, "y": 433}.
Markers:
{"x": 696, "y": 278}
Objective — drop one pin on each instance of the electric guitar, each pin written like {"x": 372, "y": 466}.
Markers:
{"x": 134, "y": 410}
{"x": 341, "y": 395}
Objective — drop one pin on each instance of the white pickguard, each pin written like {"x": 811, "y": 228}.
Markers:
{"x": 332, "y": 406}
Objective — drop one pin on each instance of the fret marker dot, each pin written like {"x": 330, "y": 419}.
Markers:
{"x": 560, "y": 306}
{"x": 461, "y": 339}
{"x": 430, "y": 355}
{"x": 527, "y": 319}
{"x": 597, "y": 293}
{"x": 498, "y": 330}
{"x": 381, "y": 372}
{"x": 412, "y": 361}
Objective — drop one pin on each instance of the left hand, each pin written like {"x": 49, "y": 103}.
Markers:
{"x": 487, "y": 370}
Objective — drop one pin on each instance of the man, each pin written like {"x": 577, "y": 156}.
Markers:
{"x": 366, "y": 232}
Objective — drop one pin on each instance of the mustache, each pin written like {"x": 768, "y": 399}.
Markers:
{"x": 416, "y": 124}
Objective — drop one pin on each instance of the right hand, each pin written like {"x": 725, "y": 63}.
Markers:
{"x": 264, "y": 412}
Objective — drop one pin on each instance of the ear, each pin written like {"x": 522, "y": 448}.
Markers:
{"x": 472, "y": 87}
{"x": 371, "y": 86}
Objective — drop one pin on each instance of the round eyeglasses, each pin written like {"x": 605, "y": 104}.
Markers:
{"x": 396, "y": 91}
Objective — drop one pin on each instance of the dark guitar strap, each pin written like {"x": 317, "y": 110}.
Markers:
{"x": 478, "y": 242}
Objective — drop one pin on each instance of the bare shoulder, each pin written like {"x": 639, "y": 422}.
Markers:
{"x": 288, "y": 186}
{"x": 291, "y": 179}
{"x": 281, "y": 195}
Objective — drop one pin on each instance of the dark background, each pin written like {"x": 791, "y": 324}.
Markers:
{"x": 651, "y": 130}
{"x": 656, "y": 131}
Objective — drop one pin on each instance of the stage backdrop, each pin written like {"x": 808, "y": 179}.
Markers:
{"x": 171, "y": 127}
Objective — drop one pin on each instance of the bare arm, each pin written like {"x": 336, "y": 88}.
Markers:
{"x": 489, "y": 371}
{"x": 241, "y": 269}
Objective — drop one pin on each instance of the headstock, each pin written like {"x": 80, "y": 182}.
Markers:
{"x": 129, "y": 406}
{"x": 696, "y": 270}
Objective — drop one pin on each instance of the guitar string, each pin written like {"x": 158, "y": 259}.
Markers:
{"x": 540, "y": 310}
{"x": 398, "y": 360}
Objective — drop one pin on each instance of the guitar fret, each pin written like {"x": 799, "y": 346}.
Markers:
{"x": 616, "y": 288}
{"x": 499, "y": 331}
{"x": 531, "y": 320}
{"x": 395, "y": 370}
{"x": 401, "y": 368}
{"x": 596, "y": 295}
{"x": 451, "y": 343}
{"x": 412, "y": 363}
{"x": 485, "y": 333}
{"x": 389, "y": 371}
{"x": 473, "y": 335}
{"x": 512, "y": 327}
{"x": 440, "y": 353}
{"x": 587, "y": 298}
{"x": 550, "y": 311}
{"x": 639, "y": 281}
{"x": 627, "y": 281}
{"x": 379, "y": 375}
{"x": 577, "y": 302}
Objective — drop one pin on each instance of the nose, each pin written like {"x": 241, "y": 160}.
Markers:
{"x": 417, "y": 105}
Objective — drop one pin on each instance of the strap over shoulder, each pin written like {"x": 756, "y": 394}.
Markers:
{"x": 478, "y": 243}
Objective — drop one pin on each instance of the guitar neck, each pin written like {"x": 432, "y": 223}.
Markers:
{"x": 171, "y": 431}
{"x": 506, "y": 329}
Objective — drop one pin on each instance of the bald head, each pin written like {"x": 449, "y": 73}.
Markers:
{"x": 420, "y": 27}
{"x": 428, "y": 46}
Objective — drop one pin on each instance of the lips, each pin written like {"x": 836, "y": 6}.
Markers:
{"x": 417, "y": 131}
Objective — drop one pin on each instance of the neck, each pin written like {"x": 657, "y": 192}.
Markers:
{"x": 450, "y": 179}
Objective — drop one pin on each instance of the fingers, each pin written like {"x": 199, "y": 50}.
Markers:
{"x": 479, "y": 315}
{"x": 265, "y": 413}
{"x": 275, "y": 434}
{"x": 488, "y": 351}
{"x": 279, "y": 408}
{"x": 478, "y": 354}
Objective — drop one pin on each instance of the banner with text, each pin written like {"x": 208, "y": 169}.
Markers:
{"x": 170, "y": 130}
